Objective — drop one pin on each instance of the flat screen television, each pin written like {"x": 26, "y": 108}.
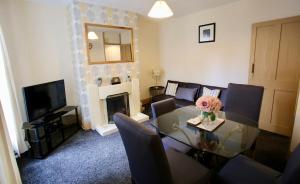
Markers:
{"x": 42, "y": 99}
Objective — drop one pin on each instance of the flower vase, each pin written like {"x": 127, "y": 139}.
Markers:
{"x": 208, "y": 117}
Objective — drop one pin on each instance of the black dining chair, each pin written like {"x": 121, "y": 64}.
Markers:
{"x": 150, "y": 163}
{"x": 244, "y": 100}
{"x": 244, "y": 170}
{"x": 162, "y": 107}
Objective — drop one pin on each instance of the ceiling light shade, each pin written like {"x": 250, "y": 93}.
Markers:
{"x": 92, "y": 35}
{"x": 160, "y": 10}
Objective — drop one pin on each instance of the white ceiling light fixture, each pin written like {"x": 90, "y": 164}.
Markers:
{"x": 160, "y": 10}
{"x": 92, "y": 36}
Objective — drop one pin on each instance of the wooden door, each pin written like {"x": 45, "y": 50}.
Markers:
{"x": 275, "y": 64}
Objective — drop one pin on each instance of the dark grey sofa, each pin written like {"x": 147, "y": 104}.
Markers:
{"x": 182, "y": 103}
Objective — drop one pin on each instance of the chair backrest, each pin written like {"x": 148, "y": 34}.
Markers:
{"x": 146, "y": 156}
{"x": 162, "y": 107}
{"x": 244, "y": 100}
{"x": 291, "y": 173}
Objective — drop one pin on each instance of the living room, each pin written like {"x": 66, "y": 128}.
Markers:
{"x": 201, "y": 44}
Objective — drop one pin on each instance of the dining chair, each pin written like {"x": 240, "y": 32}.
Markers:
{"x": 244, "y": 170}
{"x": 162, "y": 107}
{"x": 244, "y": 100}
{"x": 150, "y": 163}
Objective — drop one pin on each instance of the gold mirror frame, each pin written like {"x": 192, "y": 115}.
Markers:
{"x": 86, "y": 25}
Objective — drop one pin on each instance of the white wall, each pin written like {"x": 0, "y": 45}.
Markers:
{"x": 39, "y": 45}
{"x": 40, "y": 48}
{"x": 227, "y": 59}
{"x": 149, "y": 53}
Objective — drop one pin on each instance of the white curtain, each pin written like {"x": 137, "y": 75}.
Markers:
{"x": 9, "y": 101}
{"x": 9, "y": 172}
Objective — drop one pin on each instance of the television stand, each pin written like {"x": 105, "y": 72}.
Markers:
{"x": 47, "y": 133}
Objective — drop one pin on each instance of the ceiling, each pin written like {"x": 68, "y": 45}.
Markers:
{"x": 179, "y": 7}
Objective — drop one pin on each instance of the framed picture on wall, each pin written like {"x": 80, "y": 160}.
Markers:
{"x": 207, "y": 33}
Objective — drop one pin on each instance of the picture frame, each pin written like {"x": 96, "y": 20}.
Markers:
{"x": 207, "y": 33}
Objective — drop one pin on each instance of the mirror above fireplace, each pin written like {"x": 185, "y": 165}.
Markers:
{"x": 109, "y": 44}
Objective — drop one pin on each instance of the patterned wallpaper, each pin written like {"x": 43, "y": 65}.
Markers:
{"x": 81, "y": 13}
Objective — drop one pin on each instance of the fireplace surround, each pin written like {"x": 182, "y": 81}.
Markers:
{"x": 97, "y": 102}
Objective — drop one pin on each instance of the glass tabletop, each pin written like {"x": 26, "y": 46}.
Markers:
{"x": 234, "y": 136}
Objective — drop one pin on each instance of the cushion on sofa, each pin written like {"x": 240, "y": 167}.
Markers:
{"x": 187, "y": 85}
{"x": 211, "y": 92}
{"x": 183, "y": 103}
{"x": 171, "y": 89}
{"x": 186, "y": 93}
{"x": 222, "y": 96}
{"x": 160, "y": 97}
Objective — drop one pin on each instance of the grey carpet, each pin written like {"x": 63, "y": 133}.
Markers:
{"x": 88, "y": 158}
{"x": 85, "y": 158}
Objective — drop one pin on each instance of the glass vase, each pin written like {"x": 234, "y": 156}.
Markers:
{"x": 207, "y": 117}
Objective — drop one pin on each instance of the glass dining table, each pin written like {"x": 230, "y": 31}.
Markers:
{"x": 234, "y": 136}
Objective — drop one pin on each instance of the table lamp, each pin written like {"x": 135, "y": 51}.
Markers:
{"x": 156, "y": 74}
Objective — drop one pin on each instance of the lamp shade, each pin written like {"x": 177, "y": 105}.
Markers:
{"x": 92, "y": 35}
{"x": 156, "y": 72}
{"x": 160, "y": 9}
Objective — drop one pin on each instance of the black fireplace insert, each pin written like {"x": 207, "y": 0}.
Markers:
{"x": 117, "y": 103}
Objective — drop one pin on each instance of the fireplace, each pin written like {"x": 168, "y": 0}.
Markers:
{"x": 106, "y": 100}
{"x": 117, "y": 103}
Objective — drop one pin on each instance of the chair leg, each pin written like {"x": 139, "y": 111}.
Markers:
{"x": 132, "y": 181}
{"x": 253, "y": 148}
{"x": 202, "y": 157}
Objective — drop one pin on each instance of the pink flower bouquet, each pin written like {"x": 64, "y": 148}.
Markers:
{"x": 209, "y": 105}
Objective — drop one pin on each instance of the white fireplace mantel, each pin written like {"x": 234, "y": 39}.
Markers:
{"x": 97, "y": 104}
{"x": 105, "y": 91}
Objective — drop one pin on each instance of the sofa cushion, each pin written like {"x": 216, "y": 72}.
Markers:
{"x": 183, "y": 103}
{"x": 171, "y": 89}
{"x": 211, "y": 92}
{"x": 222, "y": 96}
{"x": 160, "y": 97}
{"x": 186, "y": 93}
{"x": 187, "y": 85}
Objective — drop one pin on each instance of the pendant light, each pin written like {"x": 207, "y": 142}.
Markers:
{"x": 160, "y": 10}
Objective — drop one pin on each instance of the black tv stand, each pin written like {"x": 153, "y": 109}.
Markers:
{"x": 47, "y": 133}
{"x": 51, "y": 116}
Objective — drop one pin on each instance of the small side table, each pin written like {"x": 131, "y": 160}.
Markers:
{"x": 156, "y": 90}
